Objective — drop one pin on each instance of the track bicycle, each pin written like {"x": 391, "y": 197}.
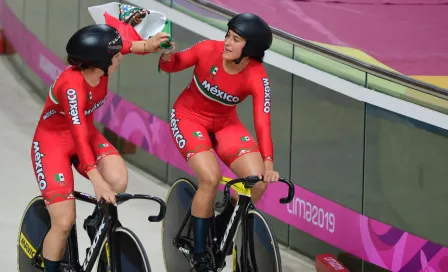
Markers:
{"x": 113, "y": 248}
{"x": 255, "y": 246}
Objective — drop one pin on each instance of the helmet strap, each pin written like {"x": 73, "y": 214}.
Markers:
{"x": 105, "y": 67}
{"x": 243, "y": 54}
{"x": 105, "y": 70}
{"x": 238, "y": 60}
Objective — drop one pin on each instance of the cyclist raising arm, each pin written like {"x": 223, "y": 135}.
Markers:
{"x": 66, "y": 134}
{"x": 225, "y": 73}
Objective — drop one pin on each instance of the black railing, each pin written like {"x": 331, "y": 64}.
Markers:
{"x": 352, "y": 62}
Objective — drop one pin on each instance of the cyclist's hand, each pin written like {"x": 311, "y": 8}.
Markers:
{"x": 103, "y": 191}
{"x": 270, "y": 176}
{"x": 167, "y": 51}
{"x": 152, "y": 44}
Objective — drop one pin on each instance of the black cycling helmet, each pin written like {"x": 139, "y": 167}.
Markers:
{"x": 255, "y": 31}
{"x": 94, "y": 46}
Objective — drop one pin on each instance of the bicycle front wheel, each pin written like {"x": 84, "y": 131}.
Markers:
{"x": 33, "y": 229}
{"x": 262, "y": 252}
{"x": 129, "y": 255}
{"x": 178, "y": 202}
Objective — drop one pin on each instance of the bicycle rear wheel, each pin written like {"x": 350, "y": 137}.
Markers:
{"x": 33, "y": 228}
{"x": 263, "y": 254}
{"x": 178, "y": 202}
{"x": 130, "y": 255}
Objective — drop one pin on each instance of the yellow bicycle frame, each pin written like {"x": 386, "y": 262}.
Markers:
{"x": 238, "y": 187}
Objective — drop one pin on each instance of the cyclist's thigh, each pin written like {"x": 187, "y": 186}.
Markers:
{"x": 189, "y": 135}
{"x": 101, "y": 146}
{"x": 109, "y": 161}
{"x": 193, "y": 141}
{"x": 234, "y": 141}
{"x": 52, "y": 166}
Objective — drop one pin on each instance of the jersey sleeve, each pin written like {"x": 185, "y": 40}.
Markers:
{"x": 186, "y": 58}
{"x": 127, "y": 32}
{"x": 74, "y": 98}
{"x": 261, "y": 92}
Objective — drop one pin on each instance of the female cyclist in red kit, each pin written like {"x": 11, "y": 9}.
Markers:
{"x": 225, "y": 73}
{"x": 66, "y": 135}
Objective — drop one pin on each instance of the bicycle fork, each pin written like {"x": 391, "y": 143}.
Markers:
{"x": 248, "y": 249}
{"x": 238, "y": 217}
{"x": 104, "y": 235}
